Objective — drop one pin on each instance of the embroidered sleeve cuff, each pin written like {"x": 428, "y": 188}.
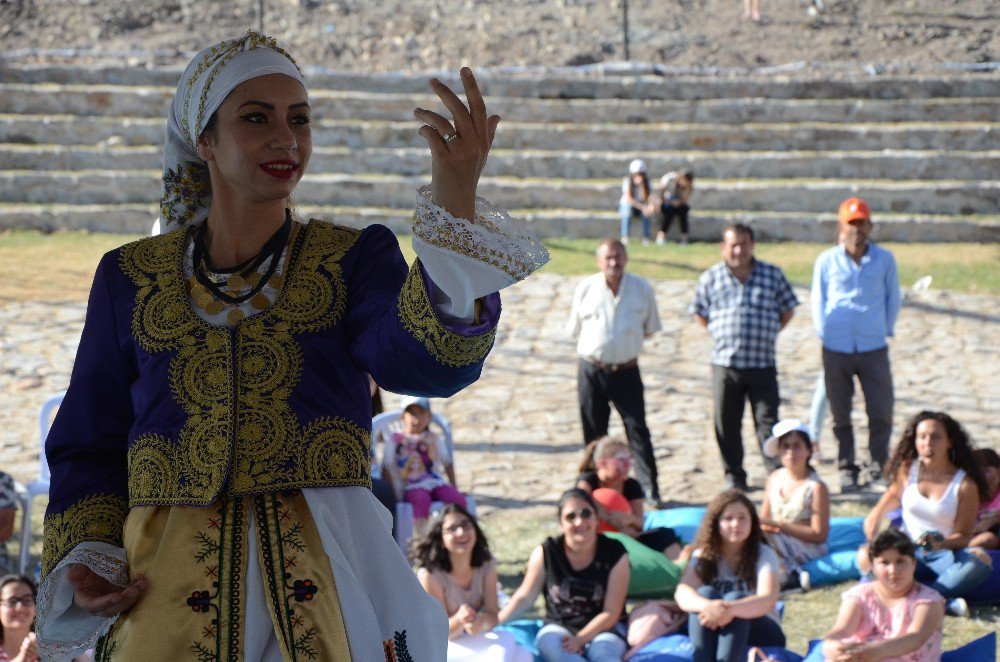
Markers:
{"x": 468, "y": 260}
{"x": 95, "y": 518}
{"x": 64, "y": 630}
{"x": 450, "y": 344}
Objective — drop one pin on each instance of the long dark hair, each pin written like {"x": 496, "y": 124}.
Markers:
{"x": 709, "y": 540}
{"x": 21, "y": 579}
{"x": 960, "y": 454}
{"x": 429, "y": 552}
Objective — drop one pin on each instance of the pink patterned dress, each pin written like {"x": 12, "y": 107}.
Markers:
{"x": 879, "y": 623}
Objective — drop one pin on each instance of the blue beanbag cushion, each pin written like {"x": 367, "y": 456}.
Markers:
{"x": 684, "y": 521}
{"x": 839, "y": 563}
{"x": 524, "y": 632}
{"x": 983, "y": 649}
{"x": 677, "y": 648}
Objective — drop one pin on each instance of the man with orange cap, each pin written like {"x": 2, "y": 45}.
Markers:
{"x": 855, "y": 302}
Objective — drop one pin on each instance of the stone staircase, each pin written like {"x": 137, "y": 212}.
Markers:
{"x": 80, "y": 148}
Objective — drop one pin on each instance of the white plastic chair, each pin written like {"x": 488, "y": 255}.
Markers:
{"x": 404, "y": 511}
{"x": 40, "y": 485}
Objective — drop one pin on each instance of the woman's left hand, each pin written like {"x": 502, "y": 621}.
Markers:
{"x": 458, "y": 147}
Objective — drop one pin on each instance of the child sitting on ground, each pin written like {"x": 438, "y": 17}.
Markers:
{"x": 619, "y": 497}
{"x": 986, "y": 532}
{"x": 795, "y": 514}
{"x": 893, "y": 617}
{"x": 416, "y": 460}
{"x": 730, "y": 587}
{"x": 455, "y": 566}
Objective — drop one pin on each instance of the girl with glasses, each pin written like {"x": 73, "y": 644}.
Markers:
{"x": 456, "y": 567}
{"x": 585, "y": 576}
{"x": 619, "y": 498}
{"x": 17, "y": 619}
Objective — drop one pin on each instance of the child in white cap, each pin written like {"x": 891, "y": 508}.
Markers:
{"x": 418, "y": 462}
{"x": 795, "y": 514}
{"x": 636, "y": 200}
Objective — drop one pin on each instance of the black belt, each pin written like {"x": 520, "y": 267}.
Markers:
{"x": 611, "y": 367}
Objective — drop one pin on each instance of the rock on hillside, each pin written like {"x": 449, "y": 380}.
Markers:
{"x": 402, "y": 35}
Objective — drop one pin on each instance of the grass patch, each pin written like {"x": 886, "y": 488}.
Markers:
{"x": 70, "y": 259}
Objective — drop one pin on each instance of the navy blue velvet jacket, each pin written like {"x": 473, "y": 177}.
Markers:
{"x": 165, "y": 409}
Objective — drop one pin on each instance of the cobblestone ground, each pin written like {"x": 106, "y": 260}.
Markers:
{"x": 517, "y": 430}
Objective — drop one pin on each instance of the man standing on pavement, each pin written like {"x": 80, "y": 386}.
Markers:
{"x": 855, "y": 301}
{"x": 613, "y": 312}
{"x": 743, "y": 303}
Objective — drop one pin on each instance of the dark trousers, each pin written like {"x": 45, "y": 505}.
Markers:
{"x": 729, "y": 643}
{"x": 598, "y": 390}
{"x": 670, "y": 213}
{"x": 875, "y": 375}
{"x": 731, "y": 388}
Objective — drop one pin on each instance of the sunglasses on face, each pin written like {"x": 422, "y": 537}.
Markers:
{"x": 455, "y": 528}
{"x": 583, "y": 514}
{"x": 12, "y": 603}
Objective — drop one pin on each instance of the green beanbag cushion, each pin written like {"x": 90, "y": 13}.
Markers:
{"x": 653, "y": 574}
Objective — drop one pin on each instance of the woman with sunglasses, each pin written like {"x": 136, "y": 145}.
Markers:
{"x": 585, "y": 576}
{"x": 619, "y": 498}
{"x": 17, "y": 619}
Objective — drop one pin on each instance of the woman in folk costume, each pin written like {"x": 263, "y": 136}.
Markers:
{"x": 210, "y": 462}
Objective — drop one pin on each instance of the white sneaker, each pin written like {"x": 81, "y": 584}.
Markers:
{"x": 957, "y": 607}
{"x": 804, "y": 581}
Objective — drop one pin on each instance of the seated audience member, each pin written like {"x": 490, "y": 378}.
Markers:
{"x": 893, "y": 617}
{"x": 636, "y": 200}
{"x": 418, "y": 463}
{"x": 619, "y": 497}
{"x": 730, "y": 586}
{"x": 455, "y": 566}
{"x": 585, "y": 576}
{"x": 674, "y": 200}
{"x": 8, "y": 509}
{"x": 987, "y": 528}
{"x": 17, "y": 619}
{"x": 939, "y": 486}
{"x": 795, "y": 514}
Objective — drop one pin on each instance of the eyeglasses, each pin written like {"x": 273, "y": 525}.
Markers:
{"x": 583, "y": 513}
{"x": 12, "y": 603}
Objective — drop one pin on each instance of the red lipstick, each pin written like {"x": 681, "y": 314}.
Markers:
{"x": 280, "y": 169}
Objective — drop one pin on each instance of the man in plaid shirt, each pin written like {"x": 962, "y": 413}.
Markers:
{"x": 743, "y": 303}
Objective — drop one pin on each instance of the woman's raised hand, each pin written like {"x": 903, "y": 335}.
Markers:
{"x": 459, "y": 146}
{"x": 96, "y": 595}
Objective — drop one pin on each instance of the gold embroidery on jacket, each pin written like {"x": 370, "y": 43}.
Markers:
{"x": 419, "y": 318}
{"x": 96, "y": 518}
{"x": 258, "y": 443}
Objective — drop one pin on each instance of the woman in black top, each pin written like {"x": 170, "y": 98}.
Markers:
{"x": 585, "y": 576}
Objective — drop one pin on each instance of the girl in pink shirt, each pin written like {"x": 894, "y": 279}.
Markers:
{"x": 986, "y": 533}
{"x": 892, "y": 618}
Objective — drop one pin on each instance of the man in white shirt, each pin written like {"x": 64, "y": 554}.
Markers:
{"x": 613, "y": 312}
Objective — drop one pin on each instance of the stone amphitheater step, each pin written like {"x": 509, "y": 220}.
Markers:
{"x": 567, "y": 84}
{"x": 706, "y": 225}
{"x": 358, "y": 134}
{"x": 412, "y": 161}
{"x": 792, "y": 195}
{"x": 152, "y": 102}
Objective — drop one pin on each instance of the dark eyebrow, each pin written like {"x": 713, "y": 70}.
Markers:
{"x": 254, "y": 102}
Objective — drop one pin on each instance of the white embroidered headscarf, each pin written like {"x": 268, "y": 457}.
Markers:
{"x": 207, "y": 81}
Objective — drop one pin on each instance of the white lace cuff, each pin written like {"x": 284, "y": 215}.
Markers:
{"x": 466, "y": 259}
{"x": 63, "y": 629}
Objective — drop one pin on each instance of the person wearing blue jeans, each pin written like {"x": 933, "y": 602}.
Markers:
{"x": 636, "y": 199}
{"x": 952, "y": 573}
{"x": 605, "y": 647}
{"x": 730, "y": 641}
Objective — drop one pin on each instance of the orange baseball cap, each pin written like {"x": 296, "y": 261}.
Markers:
{"x": 852, "y": 209}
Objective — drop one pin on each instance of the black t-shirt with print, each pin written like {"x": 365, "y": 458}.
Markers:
{"x": 574, "y": 597}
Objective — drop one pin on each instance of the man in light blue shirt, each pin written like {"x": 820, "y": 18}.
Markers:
{"x": 855, "y": 301}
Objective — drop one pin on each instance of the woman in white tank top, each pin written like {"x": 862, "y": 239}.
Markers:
{"x": 938, "y": 486}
